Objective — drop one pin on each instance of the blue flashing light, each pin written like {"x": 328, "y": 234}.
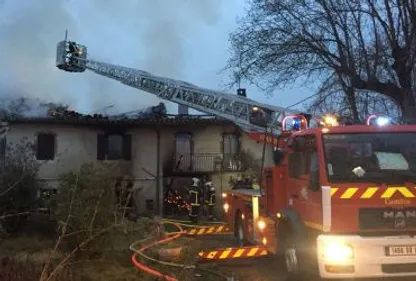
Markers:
{"x": 296, "y": 123}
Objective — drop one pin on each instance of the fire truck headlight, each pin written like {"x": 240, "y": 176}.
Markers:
{"x": 261, "y": 225}
{"x": 224, "y": 195}
{"x": 226, "y": 207}
{"x": 337, "y": 252}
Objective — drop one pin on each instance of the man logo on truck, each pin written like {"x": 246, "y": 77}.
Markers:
{"x": 399, "y": 214}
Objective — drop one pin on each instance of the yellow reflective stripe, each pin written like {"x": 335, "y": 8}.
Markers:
{"x": 392, "y": 190}
{"x": 211, "y": 230}
{"x": 369, "y": 193}
{"x": 349, "y": 193}
{"x": 239, "y": 253}
{"x": 211, "y": 255}
{"x": 225, "y": 254}
{"x": 252, "y": 252}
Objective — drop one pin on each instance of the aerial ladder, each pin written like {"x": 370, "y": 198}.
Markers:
{"x": 249, "y": 115}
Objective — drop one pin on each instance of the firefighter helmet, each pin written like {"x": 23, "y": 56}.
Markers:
{"x": 210, "y": 186}
{"x": 195, "y": 182}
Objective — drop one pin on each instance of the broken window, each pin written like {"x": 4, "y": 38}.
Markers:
{"x": 45, "y": 146}
{"x": 114, "y": 147}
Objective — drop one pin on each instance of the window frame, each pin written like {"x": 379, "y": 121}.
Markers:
{"x": 237, "y": 136}
{"x": 55, "y": 146}
{"x": 306, "y": 157}
{"x": 191, "y": 142}
{"x": 103, "y": 148}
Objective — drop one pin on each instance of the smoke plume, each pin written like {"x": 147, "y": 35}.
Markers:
{"x": 145, "y": 34}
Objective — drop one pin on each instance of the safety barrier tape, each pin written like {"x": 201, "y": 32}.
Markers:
{"x": 234, "y": 253}
{"x": 373, "y": 192}
{"x": 211, "y": 230}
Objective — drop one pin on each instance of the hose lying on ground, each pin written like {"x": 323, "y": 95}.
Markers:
{"x": 188, "y": 221}
{"x": 182, "y": 223}
{"x": 174, "y": 235}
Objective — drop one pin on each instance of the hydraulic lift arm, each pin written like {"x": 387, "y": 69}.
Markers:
{"x": 72, "y": 57}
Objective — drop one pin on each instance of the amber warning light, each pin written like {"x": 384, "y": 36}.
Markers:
{"x": 329, "y": 120}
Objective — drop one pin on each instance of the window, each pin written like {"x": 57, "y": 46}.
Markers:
{"x": 302, "y": 162}
{"x": 114, "y": 147}
{"x": 231, "y": 149}
{"x": 376, "y": 157}
{"x": 183, "y": 150}
{"x": 45, "y": 146}
{"x": 231, "y": 144}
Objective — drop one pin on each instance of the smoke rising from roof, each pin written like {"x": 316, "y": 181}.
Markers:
{"x": 146, "y": 34}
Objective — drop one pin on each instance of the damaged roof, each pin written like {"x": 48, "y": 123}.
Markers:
{"x": 145, "y": 120}
{"x": 156, "y": 115}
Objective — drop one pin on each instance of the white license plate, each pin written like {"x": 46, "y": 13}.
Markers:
{"x": 401, "y": 250}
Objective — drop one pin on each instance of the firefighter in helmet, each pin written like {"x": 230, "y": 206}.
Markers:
{"x": 210, "y": 199}
{"x": 194, "y": 200}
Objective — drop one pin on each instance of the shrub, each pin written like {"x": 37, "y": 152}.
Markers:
{"x": 85, "y": 206}
{"x": 18, "y": 185}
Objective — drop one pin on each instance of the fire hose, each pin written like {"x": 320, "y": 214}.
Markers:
{"x": 171, "y": 236}
{"x": 187, "y": 222}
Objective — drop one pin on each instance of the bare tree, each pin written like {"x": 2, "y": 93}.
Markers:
{"x": 368, "y": 45}
{"x": 341, "y": 99}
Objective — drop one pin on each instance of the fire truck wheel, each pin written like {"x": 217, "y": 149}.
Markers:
{"x": 292, "y": 259}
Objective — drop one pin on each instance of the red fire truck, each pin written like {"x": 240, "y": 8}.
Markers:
{"x": 340, "y": 199}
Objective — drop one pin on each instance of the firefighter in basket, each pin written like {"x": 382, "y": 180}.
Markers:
{"x": 210, "y": 199}
{"x": 194, "y": 200}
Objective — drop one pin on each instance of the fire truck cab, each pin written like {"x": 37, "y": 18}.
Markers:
{"x": 340, "y": 201}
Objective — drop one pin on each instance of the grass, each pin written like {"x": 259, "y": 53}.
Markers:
{"x": 22, "y": 258}
{"x": 113, "y": 263}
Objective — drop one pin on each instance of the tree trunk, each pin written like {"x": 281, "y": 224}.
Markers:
{"x": 352, "y": 102}
{"x": 408, "y": 107}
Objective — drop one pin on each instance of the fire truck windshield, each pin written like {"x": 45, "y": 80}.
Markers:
{"x": 370, "y": 157}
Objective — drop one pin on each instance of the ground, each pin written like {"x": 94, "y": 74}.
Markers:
{"x": 116, "y": 265}
{"x": 260, "y": 269}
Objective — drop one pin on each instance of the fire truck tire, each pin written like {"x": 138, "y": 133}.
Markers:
{"x": 293, "y": 261}
{"x": 289, "y": 252}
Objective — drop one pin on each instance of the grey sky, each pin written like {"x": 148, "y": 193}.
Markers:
{"x": 183, "y": 39}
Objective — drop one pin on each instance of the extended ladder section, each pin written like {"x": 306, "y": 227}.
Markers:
{"x": 72, "y": 57}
